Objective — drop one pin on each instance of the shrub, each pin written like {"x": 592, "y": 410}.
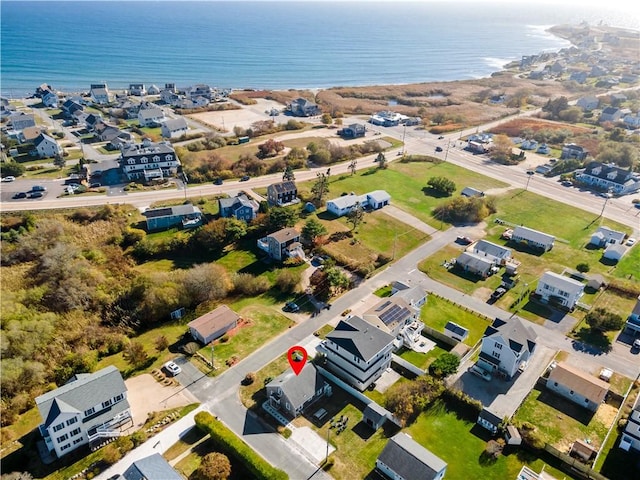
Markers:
{"x": 444, "y": 365}
{"x": 583, "y": 267}
{"x": 190, "y": 348}
{"x": 249, "y": 378}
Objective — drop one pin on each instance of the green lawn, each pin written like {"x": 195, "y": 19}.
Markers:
{"x": 436, "y": 312}
{"x": 423, "y": 360}
{"x": 460, "y": 443}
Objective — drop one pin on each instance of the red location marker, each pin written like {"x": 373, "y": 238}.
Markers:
{"x": 297, "y": 357}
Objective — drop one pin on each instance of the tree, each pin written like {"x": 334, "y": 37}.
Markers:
{"x": 313, "y": 229}
{"x": 555, "y": 106}
{"x": 601, "y": 320}
{"x": 12, "y": 168}
{"x": 287, "y": 280}
{"x": 320, "y": 188}
{"x": 235, "y": 229}
{"x": 381, "y": 159}
{"x": 337, "y": 280}
{"x": 59, "y": 161}
{"x": 281, "y": 217}
{"x": 352, "y": 166}
{"x": 502, "y": 149}
{"x": 135, "y": 354}
{"x": 288, "y": 175}
{"x": 161, "y": 343}
{"x": 269, "y": 148}
{"x": 442, "y": 185}
{"x": 214, "y": 466}
{"x": 355, "y": 216}
{"x": 583, "y": 267}
{"x": 445, "y": 365}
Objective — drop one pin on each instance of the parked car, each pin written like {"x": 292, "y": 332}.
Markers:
{"x": 173, "y": 368}
{"x": 245, "y": 178}
{"x": 463, "y": 240}
{"x": 498, "y": 292}
{"x": 636, "y": 344}
{"x": 218, "y": 181}
{"x": 38, "y": 188}
{"x": 479, "y": 372}
{"x": 441, "y": 137}
{"x": 630, "y": 242}
{"x": 291, "y": 307}
{"x": 19, "y": 195}
{"x": 36, "y": 195}
{"x": 8, "y": 178}
{"x": 95, "y": 185}
{"x": 438, "y": 149}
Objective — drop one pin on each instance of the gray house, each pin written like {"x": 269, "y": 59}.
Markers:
{"x": 402, "y": 458}
{"x": 282, "y": 244}
{"x": 187, "y": 216}
{"x": 240, "y": 207}
{"x": 605, "y": 236}
{"x": 474, "y": 264}
{"x": 89, "y": 407}
{"x": 206, "y": 328}
{"x": 355, "y": 130}
{"x": 301, "y": 107}
{"x": 573, "y": 151}
{"x": 291, "y": 394}
{"x": 533, "y": 238}
{"x": 174, "y": 127}
{"x": 282, "y": 193}
{"x": 153, "y": 467}
{"x": 19, "y": 121}
{"x": 577, "y": 386}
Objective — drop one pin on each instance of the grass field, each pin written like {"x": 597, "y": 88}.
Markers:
{"x": 438, "y": 311}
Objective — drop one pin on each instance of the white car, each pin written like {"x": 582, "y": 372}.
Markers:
{"x": 9, "y": 178}
{"x": 630, "y": 241}
{"x": 173, "y": 368}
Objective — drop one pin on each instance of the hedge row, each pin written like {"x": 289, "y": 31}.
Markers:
{"x": 237, "y": 449}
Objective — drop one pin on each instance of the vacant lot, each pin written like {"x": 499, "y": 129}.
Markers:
{"x": 438, "y": 311}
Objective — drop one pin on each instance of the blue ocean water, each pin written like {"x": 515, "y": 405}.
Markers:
{"x": 271, "y": 45}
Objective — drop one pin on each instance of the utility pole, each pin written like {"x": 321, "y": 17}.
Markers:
{"x": 530, "y": 174}
{"x": 446, "y": 154}
{"x": 605, "y": 202}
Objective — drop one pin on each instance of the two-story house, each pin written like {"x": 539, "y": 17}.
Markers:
{"x": 630, "y": 439}
{"x": 282, "y": 244}
{"x": 174, "y": 128}
{"x": 533, "y": 238}
{"x": 301, "y": 107}
{"x": 151, "y": 117}
{"x": 87, "y": 408}
{"x": 506, "y": 347}
{"x": 355, "y": 130}
{"x": 558, "y": 290}
{"x": 153, "y": 467}
{"x": 496, "y": 254}
{"x": 148, "y": 160}
{"x": 282, "y": 194}
{"x": 163, "y": 218}
{"x": 291, "y": 394}
{"x": 610, "y": 114}
{"x": 70, "y": 106}
{"x": 137, "y": 89}
{"x": 357, "y": 352}
{"x": 239, "y": 207}
{"x": 20, "y": 120}
{"x": 47, "y": 146}
{"x": 573, "y": 151}
{"x": 632, "y": 325}
{"x": 398, "y": 318}
{"x": 610, "y": 177}
{"x": 99, "y": 93}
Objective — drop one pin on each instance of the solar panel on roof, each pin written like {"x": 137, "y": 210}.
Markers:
{"x": 393, "y": 314}
{"x": 383, "y": 306}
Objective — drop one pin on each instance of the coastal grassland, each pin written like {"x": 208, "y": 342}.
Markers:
{"x": 460, "y": 443}
{"x": 559, "y": 421}
{"x": 436, "y": 312}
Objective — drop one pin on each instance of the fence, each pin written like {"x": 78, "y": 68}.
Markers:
{"x": 573, "y": 465}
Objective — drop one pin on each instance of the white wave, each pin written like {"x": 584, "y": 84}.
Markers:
{"x": 497, "y": 63}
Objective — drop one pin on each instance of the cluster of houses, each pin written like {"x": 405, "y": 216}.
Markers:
{"x": 24, "y": 128}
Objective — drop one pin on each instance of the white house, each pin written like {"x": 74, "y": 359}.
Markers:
{"x": 506, "y": 347}
{"x": 533, "y": 238}
{"x": 588, "y": 103}
{"x": 605, "y": 236}
{"x": 496, "y": 254}
{"x": 137, "y": 89}
{"x": 87, "y": 408}
{"x": 174, "y": 128}
{"x": 610, "y": 177}
{"x": 630, "y": 439}
{"x": 397, "y": 317}
{"x": 100, "y": 94}
{"x": 559, "y": 290}
{"x": 151, "y": 117}
{"x": 343, "y": 205}
{"x": 214, "y": 324}
{"x": 148, "y": 160}
{"x": 357, "y": 352}
{"x": 402, "y": 458}
{"x": 614, "y": 252}
{"x": 47, "y": 146}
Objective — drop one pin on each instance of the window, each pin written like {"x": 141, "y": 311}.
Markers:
{"x": 62, "y": 438}
{"x": 555, "y": 384}
{"x": 117, "y": 398}
{"x": 499, "y": 346}
{"x": 571, "y": 392}
{"x": 75, "y": 432}
{"x": 495, "y": 354}
{"x": 106, "y": 404}
{"x": 71, "y": 421}
{"x": 64, "y": 447}
{"x": 586, "y": 400}
{"x": 58, "y": 427}
{"x": 91, "y": 411}
{"x": 77, "y": 440}
{"x": 546, "y": 287}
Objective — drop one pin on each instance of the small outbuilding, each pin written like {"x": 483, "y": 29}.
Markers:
{"x": 374, "y": 415}
{"x": 213, "y": 324}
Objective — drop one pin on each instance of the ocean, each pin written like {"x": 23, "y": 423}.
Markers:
{"x": 272, "y": 45}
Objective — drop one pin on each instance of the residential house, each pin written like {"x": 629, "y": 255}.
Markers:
{"x": 559, "y": 290}
{"x": 214, "y": 324}
{"x": 579, "y": 77}
{"x": 153, "y": 467}
{"x": 489, "y": 420}
{"x": 174, "y": 128}
{"x": 402, "y": 458}
{"x": 414, "y": 296}
{"x": 92, "y": 120}
{"x": 151, "y": 117}
{"x": 357, "y": 352}
{"x": 577, "y": 386}
{"x": 475, "y": 264}
{"x": 6, "y": 109}
{"x": 533, "y": 238}
{"x": 200, "y": 90}
{"x": 170, "y": 97}
{"x": 137, "y": 89}
{"x": 573, "y": 151}
{"x": 100, "y": 94}
{"x": 292, "y": 394}
{"x": 630, "y": 439}
{"x": 543, "y": 149}
{"x": 471, "y": 192}
{"x": 355, "y": 130}
{"x": 632, "y": 120}
{"x": 69, "y": 107}
{"x": 610, "y": 177}
{"x": 529, "y": 145}
{"x": 506, "y": 347}
{"x": 29, "y": 134}
{"x": 108, "y": 133}
{"x": 614, "y": 252}
{"x": 239, "y": 207}
{"x": 20, "y": 120}
{"x": 282, "y": 244}
{"x": 398, "y": 318}
{"x": 497, "y": 254}
{"x": 282, "y": 193}
{"x": 455, "y": 331}
{"x": 148, "y": 160}
{"x": 153, "y": 90}
{"x": 345, "y": 204}
{"x": 163, "y": 218}
{"x": 50, "y": 99}
{"x": 632, "y": 324}
{"x": 87, "y": 408}
{"x": 588, "y": 103}
{"x": 47, "y": 146}
{"x": 301, "y": 107}
{"x": 605, "y": 236}
{"x": 610, "y": 114}
{"x": 387, "y": 118}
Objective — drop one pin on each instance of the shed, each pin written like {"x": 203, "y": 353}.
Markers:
{"x": 489, "y": 420}
{"x": 583, "y": 450}
{"x": 471, "y": 192}
{"x": 512, "y": 436}
{"x": 614, "y": 252}
{"x": 374, "y": 415}
{"x": 455, "y": 331}
{"x": 213, "y": 324}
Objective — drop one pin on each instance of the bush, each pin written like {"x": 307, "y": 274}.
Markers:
{"x": 190, "y": 348}
{"x": 249, "y": 378}
{"x": 237, "y": 449}
{"x": 583, "y": 267}
{"x": 445, "y": 365}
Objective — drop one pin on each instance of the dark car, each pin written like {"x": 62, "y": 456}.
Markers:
{"x": 438, "y": 149}
{"x": 19, "y": 195}
{"x": 441, "y": 137}
{"x": 245, "y": 178}
{"x": 38, "y": 188}
{"x": 36, "y": 194}
{"x": 217, "y": 181}
{"x": 95, "y": 185}
{"x": 291, "y": 307}
{"x": 499, "y": 292}
{"x": 464, "y": 240}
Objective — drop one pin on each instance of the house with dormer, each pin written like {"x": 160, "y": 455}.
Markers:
{"x": 99, "y": 93}
{"x": 610, "y": 177}
{"x": 506, "y": 346}
{"x": 89, "y": 407}
{"x": 151, "y": 117}
{"x": 137, "y": 89}
{"x": 292, "y": 394}
{"x": 559, "y": 290}
{"x": 357, "y": 352}
{"x": 148, "y": 160}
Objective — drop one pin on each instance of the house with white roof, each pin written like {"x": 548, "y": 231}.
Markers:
{"x": 357, "y": 352}
{"x": 151, "y": 117}
{"x": 559, "y": 290}
{"x": 99, "y": 93}
{"x": 87, "y": 408}
{"x": 533, "y": 238}
{"x": 402, "y": 458}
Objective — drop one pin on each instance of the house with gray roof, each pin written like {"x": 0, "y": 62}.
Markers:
{"x": 151, "y": 117}
{"x": 239, "y": 207}
{"x": 47, "y": 146}
{"x": 214, "y": 324}
{"x": 174, "y": 127}
{"x": 186, "y": 216}
{"x": 282, "y": 244}
{"x": 610, "y": 177}
{"x": 632, "y": 325}
{"x": 357, "y": 352}
{"x": 605, "y": 236}
{"x": 355, "y": 130}
{"x": 153, "y": 467}
{"x": 559, "y": 290}
{"x": 497, "y": 254}
{"x": 99, "y": 93}
{"x": 455, "y": 331}
{"x": 506, "y": 346}
{"x": 402, "y": 458}
{"x": 291, "y": 394}
{"x": 533, "y": 238}
{"x": 19, "y": 121}
{"x": 148, "y": 160}
{"x": 475, "y": 264}
{"x": 301, "y": 107}
{"x": 573, "y": 151}
{"x": 137, "y": 89}
{"x": 630, "y": 439}
{"x": 610, "y": 114}
{"x": 282, "y": 193}
{"x": 89, "y": 407}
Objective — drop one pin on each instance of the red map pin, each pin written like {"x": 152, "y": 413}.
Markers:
{"x": 297, "y": 357}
